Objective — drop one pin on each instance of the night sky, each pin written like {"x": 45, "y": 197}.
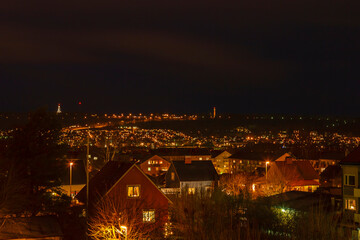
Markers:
{"x": 118, "y": 56}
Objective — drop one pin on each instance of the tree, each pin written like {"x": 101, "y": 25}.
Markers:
{"x": 34, "y": 160}
{"x": 109, "y": 216}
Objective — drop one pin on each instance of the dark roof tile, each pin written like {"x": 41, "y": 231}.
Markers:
{"x": 196, "y": 171}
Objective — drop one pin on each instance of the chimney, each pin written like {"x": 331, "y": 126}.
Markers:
{"x": 187, "y": 159}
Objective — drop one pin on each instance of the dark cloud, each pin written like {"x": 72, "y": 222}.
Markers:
{"x": 243, "y": 56}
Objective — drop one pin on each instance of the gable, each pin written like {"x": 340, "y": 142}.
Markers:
{"x": 150, "y": 195}
{"x": 169, "y": 182}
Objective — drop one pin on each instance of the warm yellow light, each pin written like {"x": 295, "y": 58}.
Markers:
{"x": 71, "y": 164}
{"x": 267, "y": 162}
{"x": 123, "y": 227}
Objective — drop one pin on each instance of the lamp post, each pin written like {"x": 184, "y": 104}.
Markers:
{"x": 266, "y": 164}
{"x": 71, "y": 164}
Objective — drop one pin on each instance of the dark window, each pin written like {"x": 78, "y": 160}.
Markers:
{"x": 352, "y": 180}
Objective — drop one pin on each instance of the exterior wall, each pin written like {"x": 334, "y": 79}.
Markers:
{"x": 348, "y": 191}
{"x": 306, "y": 188}
{"x": 150, "y": 198}
{"x": 190, "y": 157}
{"x": 221, "y": 162}
{"x": 155, "y": 166}
{"x": 244, "y": 165}
{"x": 200, "y": 186}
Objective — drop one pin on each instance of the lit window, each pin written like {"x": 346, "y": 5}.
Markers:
{"x": 149, "y": 169}
{"x": 350, "y": 204}
{"x": 149, "y": 216}
{"x": 160, "y": 162}
{"x": 200, "y": 158}
{"x": 133, "y": 191}
{"x": 149, "y": 162}
{"x": 173, "y": 176}
{"x": 191, "y": 190}
{"x": 349, "y": 180}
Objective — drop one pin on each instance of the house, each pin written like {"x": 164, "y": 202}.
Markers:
{"x": 180, "y": 154}
{"x": 322, "y": 160}
{"x": 292, "y": 175}
{"x": 41, "y": 227}
{"x": 191, "y": 176}
{"x": 154, "y": 165}
{"x": 131, "y": 190}
{"x": 248, "y": 161}
{"x": 220, "y": 159}
{"x": 329, "y": 159}
{"x": 331, "y": 177}
{"x": 350, "y": 166}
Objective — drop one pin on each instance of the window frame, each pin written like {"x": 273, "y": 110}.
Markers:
{"x": 347, "y": 180}
{"x": 148, "y": 211}
{"x": 347, "y": 204}
{"x": 133, "y": 185}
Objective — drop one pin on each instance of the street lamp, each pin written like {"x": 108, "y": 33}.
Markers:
{"x": 71, "y": 164}
{"x": 266, "y": 164}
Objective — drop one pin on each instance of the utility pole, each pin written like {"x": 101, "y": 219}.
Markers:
{"x": 87, "y": 183}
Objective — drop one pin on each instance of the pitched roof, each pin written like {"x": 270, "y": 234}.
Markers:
{"x": 331, "y": 172}
{"x": 306, "y": 170}
{"x": 352, "y": 158}
{"x": 256, "y": 155}
{"x": 182, "y": 151}
{"x": 104, "y": 179}
{"x": 299, "y": 172}
{"x": 195, "y": 171}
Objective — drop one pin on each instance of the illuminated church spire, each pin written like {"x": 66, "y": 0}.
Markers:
{"x": 58, "y": 109}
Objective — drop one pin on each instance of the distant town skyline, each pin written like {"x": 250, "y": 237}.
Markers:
{"x": 241, "y": 57}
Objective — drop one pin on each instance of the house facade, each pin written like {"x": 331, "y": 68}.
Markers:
{"x": 292, "y": 175}
{"x": 192, "y": 177}
{"x": 155, "y": 165}
{"x": 131, "y": 191}
{"x": 249, "y": 161}
{"x": 220, "y": 160}
{"x": 180, "y": 154}
{"x": 350, "y": 166}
